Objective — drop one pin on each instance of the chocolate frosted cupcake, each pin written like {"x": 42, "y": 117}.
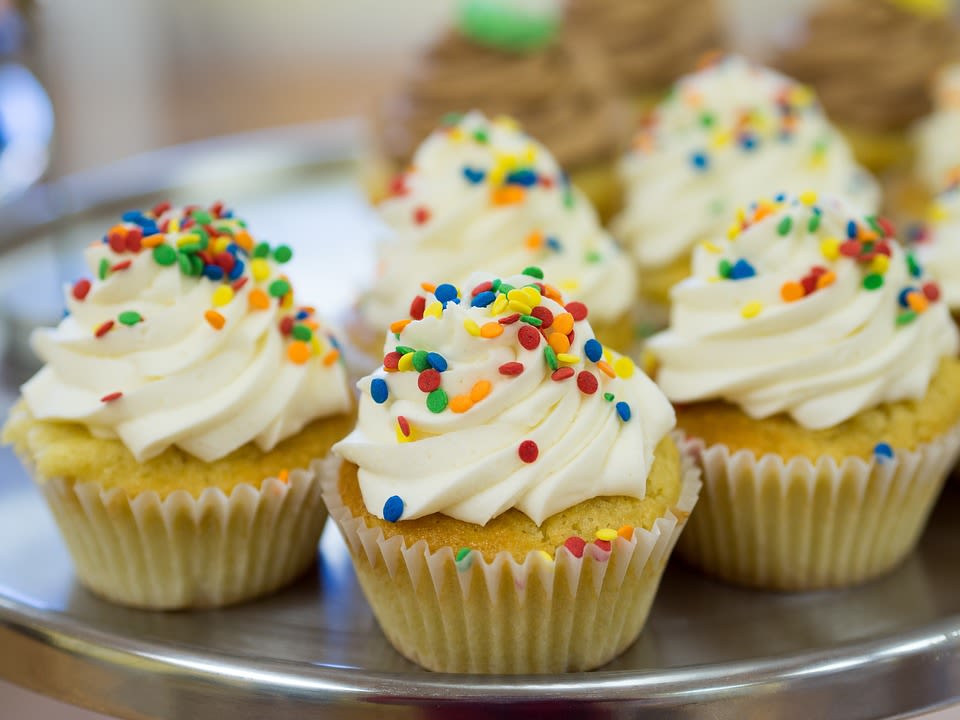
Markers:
{"x": 562, "y": 92}
{"x": 871, "y": 62}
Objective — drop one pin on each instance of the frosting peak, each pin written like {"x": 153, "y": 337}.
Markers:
{"x": 500, "y": 397}
{"x": 725, "y": 135}
{"x": 482, "y": 193}
{"x": 187, "y": 335}
{"x": 810, "y": 309}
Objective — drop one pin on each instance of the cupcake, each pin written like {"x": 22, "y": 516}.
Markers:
{"x": 511, "y": 494}
{"x": 511, "y": 58}
{"x": 183, "y": 398}
{"x": 937, "y": 245}
{"x": 812, "y": 363}
{"x": 871, "y": 62}
{"x": 724, "y": 136}
{"x": 647, "y": 44}
{"x": 485, "y": 194}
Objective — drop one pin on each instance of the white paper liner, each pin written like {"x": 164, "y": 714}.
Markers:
{"x": 183, "y": 552}
{"x": 802, "y": 525}
{"x": 504, "y": 616}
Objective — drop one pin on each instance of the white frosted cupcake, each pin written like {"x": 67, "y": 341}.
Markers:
{"x": 814, "y": 368}
{"x": 937, "y": 245}
{"x": 510, "y": 495}
{"x": 482, "y": 193}
{"x": 725, "y": 135}
{"x": 182, "y": 401}
{"x": 937, "y": 136}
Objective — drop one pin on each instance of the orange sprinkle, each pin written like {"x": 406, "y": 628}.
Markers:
{"x": 551, "y": 292}
{"x": 258, "y": 300}
{"x": 312, "y": 324}
{"x": 283, "y": 475}
{"x": 563, "y": 323}
{"x": 534, "y": 240}
{"x": 917, "y": 302}
{"x": 559, "y": 342}
{"x": 867, "y": 234}
{"x": 508, "y": 195}
{"x": 398, "y": 325}
{"x": 626, "y": 532}
{"x": 480, "y": 389}
{"x": 606, "y": 369}
{"x": 491, "y": 330}
{"x": 151, "y": 241}
{"x": 460, "y": 403}
{"x": 791, "y": 291}
{"x": 762, "y": 211}
{"x": 331, "y": 357}
{"x": 428, "y": 287}
{"x": 298, "y": 352}
{"x": 826, "y": 280}
{"x": 243, "y": 239}
{"x": 216, "y": 320}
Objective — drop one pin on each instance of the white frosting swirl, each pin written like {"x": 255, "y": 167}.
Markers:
{"x": 466, "y": 463}
{"x": 821, "y": 357}
{"x": 724, "y": 136}
{"x": 939, "y": 249}
{"x": 181, "y": 381}
{"x": 937, "y": 136}
{"x": 453, "y": 212}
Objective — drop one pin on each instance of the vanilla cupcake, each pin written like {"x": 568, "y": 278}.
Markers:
{"x": 813, "y": 366}
{"x": 725, "y": 135}
{"x": 937, "y": 245}
{"x": 484, "y": 194}
{"x": 182, "y": 401}
{"x": 510, "y": 495}
{"x": 938, "y": 135}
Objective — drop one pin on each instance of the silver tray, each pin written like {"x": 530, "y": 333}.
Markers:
{"x": 708, "y": 651}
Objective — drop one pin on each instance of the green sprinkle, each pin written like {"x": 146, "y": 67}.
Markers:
{"x": 196, "y": 265}
{"x": 814, "y": 223}
{"x": 504, "y": 288}
{"x": 302, "y": 332}
{"x": 724, "y": 267}
{"x": 495, "y": 285}
{"x": 462, "y": 553}
{"x": 533, "y": 271}
{"x": 164, "y": 255}
{"x": 906, "y": 317}
{"x": 202, "y": 217}
{"x": 913, "y": 266}
{"x": 568, "y": 199}
{"x": 282, "y": 254}
{"x": 481, "y": 136}
{"x": 873, "y": 281}
{"x": 403, "y": 349}
{"x": 594, "y": 256}
{"x": 718, "y": 207}
{"x": 708, "y": 119}
{"x": 551, "y": 357}
{"x": 784, "y": 227}
{"x": 261, "y": 250}
{"x": 224, "y": 227}
{"x": 204, "y": 237}
{"x": 608, "y": 396}
{"x": 191, "y": 247}
{"x": 531, "y": 320}
{"x": 437, "y": 401}
{"x": 420, "y": 361}
{"x": 185, "y": 266}
{"x": 872, "y": 222}
{"x": 279, "y": 288}
{"x": 130, "y": 317}
{"x": 104, "y": 269}
{"x": 451, "y": 118}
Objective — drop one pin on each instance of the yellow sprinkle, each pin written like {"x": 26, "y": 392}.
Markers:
{"x": 532, "y": 296}
{"x": 434, "y": 310}
{"x": 518, "y": 306}
{"x": 808, "y": 198}
{"x": 830, "y": 248}
{"x": 221, "y": 243}
{"x": 607, "y": 355}
{"x": 568, "y": 359}
{"x": 607, "y": 534}
{"x": 569, "y": 284}
{"x": 471, "y": 327}
{"x": 624, "y": 367}
{"x": 286, "y": 302}
{"x": 455, "y": 134}
{"x": 260, "y": 269}
{"x": 713, "y": 278}
{"x": 216, "y": 320}
{"x": 315, "y": 345}
{"x": 401, "y": 438}
{"x": 721, "y": 138}
{"x": 544, "y": 555}
{"x": 649, "y": 361}
{"x": 174, "y": 225}
{"x": 222, "y": 296}
{"x": 733, "y": 231}
{"x": 498, "y": 305}
{"x": 711, "y": 246}
{"x": 405, "y": 363}
{"x": 879, "y": 264}
{"x": 506, "y": 122}
{"x": 937, "y": 212}
{"x": 751, "y": 309}
{"x": 529, "y": 154}
{"x": 188, "y": 238}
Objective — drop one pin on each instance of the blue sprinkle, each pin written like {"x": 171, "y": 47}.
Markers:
{"x": 437, "y": 361}
{"x": 483, "y": 299}
{"x": 237, "y": 270}
{"x": 66, "y": 312}
{"x": 593, "y": 350}
{"x": 700, "y": 161}
{"x": 564, "y": 178}
{"x": 852, "y": 229}
{"x": 445, "y": 293}
{"x": 226, "y": 214}
{"x": 214, "y": 272}
{"x": 780, "y": 197}
{"x": 553, "y": 244}
{"x": 526, "y": 178}
{"x": 302, "y": 315}
{"x": 233, "y": 249}
{"x": 902, "y": 297}
{"x": 393, "y": 508}
{"x": 882, "y": 451}
{"x": 333, "y": 341}
{"x": 623, "y": 410}
{"x": 474, "y": 175}
{"x": 741, "y": 270}
{"x": 132, "y": 216}
{"x": 149, "y": 227}
{"x": 748, "y": 141}
{"x": 105, "y": 240}
{"x": 379, "y": 391}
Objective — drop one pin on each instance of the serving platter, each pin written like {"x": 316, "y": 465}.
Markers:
{"x": 889, "y": 648}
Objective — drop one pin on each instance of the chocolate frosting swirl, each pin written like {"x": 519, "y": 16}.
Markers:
{"x": 561, "y": 94}
{"x": 871, "y": 61}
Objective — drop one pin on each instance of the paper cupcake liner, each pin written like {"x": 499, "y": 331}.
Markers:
{"x": 184, "y": 552}
{"x": 796, "y": 524}
{"x": 503, "y": 616}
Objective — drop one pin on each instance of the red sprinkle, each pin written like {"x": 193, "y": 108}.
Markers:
{"x": 809, "y": 284}
{"x": 134, "y": 238}
{"x": 398, "y": 186}
{"x": 562, "y": 374}
{"x": 217, "y": 208}
{"x": 817, "y": 270}
{"x": 603, "y": 545}
{"x": 931, "y": 291}
{"x": 121, "y": 266}
{"x": 482, "y": 287}
{"x": 587, "y": 382}
{"x": 225, "y": 260}
{"x": 81, "y": 288}
{"x": 286, "y": 325}
{"x": 509, "y": 319}
{"x": 577, "y": 309}
{"x": 850, "y": 248}
{"x": 575, "y": 545}
{"x": 417, "y": 307}
{"x": 111, "y": 397}
{"x": 239, "y": 282}
{"x": 888, "y": 228}
{"x": 528, "y": 451}
{"x": 883, "y": 247}
{"x": 545, "y": 181}
{"x": 511, "y": 368}
{"x": 161, "y": 208}
{"x": 391, "y": 360}
{"x": 421, "y": 215}
{"x": 117, "y": 241}
{"x": 543, "y": 314}
{"x": 429, "y": 380}
{"x": 103, "y": 329}
{"x": 529, "y": 337}
{"x": 404, "y": 425}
